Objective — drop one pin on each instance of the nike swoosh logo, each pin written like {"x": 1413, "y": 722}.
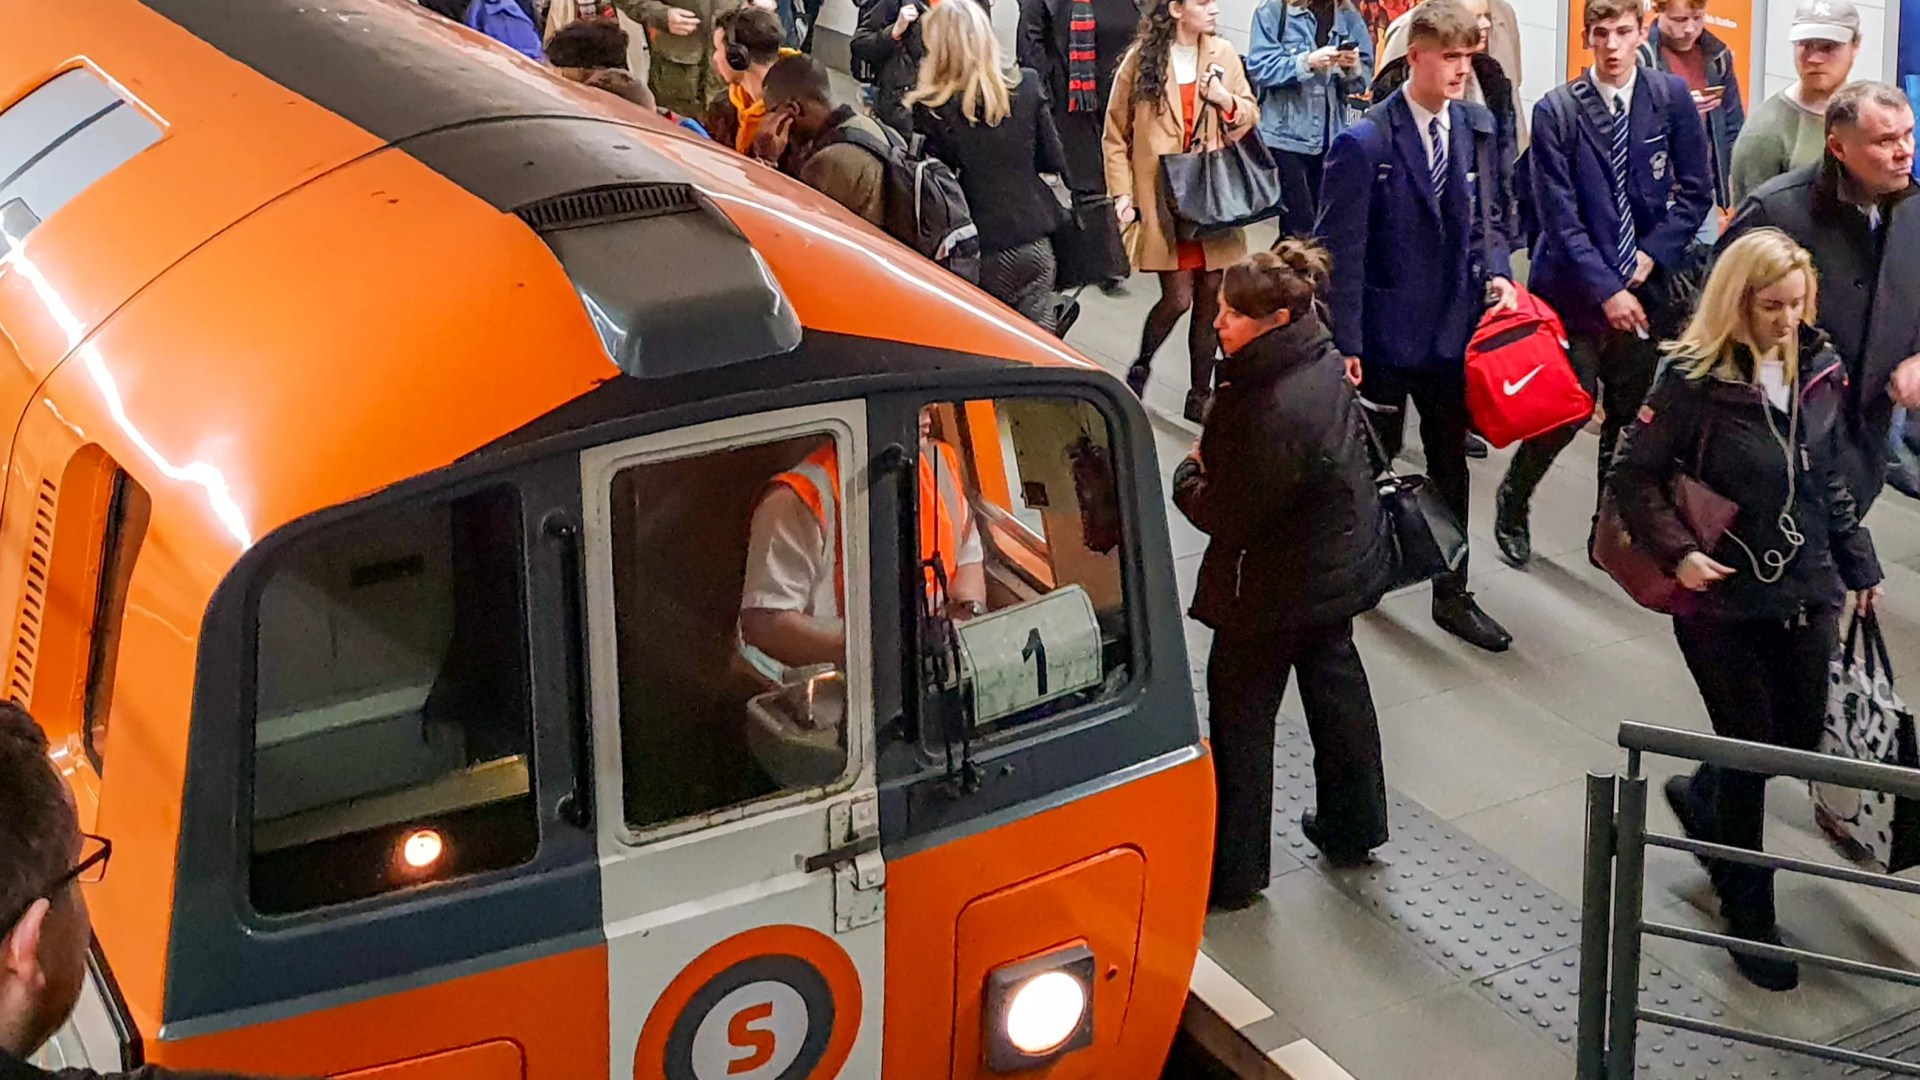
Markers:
{"x": 1513, "y": 388}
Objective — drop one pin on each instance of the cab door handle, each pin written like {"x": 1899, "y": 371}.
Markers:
{"x": 842, "y": 855}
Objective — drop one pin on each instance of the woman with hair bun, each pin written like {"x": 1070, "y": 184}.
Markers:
{"x": 1282, "y": 482}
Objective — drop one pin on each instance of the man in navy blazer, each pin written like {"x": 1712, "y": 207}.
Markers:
{"x": 1419, "y": 248}
{"x": 1619, "y": 135}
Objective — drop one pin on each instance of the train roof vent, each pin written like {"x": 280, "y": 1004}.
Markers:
{"x": 603, "y": 205}
{"x": 671, "y": 285}
{"x": 33, "y": 597}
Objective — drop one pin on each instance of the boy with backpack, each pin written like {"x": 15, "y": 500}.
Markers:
{"x": 1620, "y": 185}
{"x": 859, "y": 163}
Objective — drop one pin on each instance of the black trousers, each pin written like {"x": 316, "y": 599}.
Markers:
{"x": 1441, "y": 397}
{"x": 1617, "y": 368}
{"x": 1247, "y": 676}
{"x": 1762, "y": 681}
{"x": 1300, "y": 188}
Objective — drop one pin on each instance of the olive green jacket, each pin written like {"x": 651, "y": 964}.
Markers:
{"x": 680, "y": 71}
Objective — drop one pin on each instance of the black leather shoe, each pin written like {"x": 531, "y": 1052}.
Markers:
{"x": 1137, "y": 376}
{"x": 1476, "y": 447}
{"x": 1336, "y": 854}
{"x": 1765, "y": 972}
{"x": 1460, "y": 616}
{"x": 1511, "y": 533}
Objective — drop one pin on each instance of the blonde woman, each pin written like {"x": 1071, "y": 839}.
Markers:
{"x": 991, "y": 124}
{"x": 1751, "y": 405}
{"x": 1179, "y": 80}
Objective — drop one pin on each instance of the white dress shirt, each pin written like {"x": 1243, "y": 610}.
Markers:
{"x": 1423, "y": 123}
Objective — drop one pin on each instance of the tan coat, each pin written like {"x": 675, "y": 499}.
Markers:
{"x": 1137, "y": 136}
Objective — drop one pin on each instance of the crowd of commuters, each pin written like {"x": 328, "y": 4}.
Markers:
{"x": 1737, "y": 287}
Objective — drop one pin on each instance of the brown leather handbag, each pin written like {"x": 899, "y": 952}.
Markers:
{"x": 1705, "y": 512}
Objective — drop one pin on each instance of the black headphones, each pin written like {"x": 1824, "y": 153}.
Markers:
{"x": 736, "y": 53}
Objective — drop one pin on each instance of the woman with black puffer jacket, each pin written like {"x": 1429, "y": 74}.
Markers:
{"x": 1751, "y": 405}
{"x": 1283, "y": 484}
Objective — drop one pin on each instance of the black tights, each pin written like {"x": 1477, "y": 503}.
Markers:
{"x": 1181, "y": 290}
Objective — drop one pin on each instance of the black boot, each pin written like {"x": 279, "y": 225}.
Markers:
{"x": 1693, "y": 819}
{"x": 1746, "y": 901}
{"x": 1196, "y": 410}
{"x": 1510, "y": 530}
{"x": 1765, "y": 972}
{"x": 1457, "y": 614}
{"x": 1137, "y": 377}
{"x": 1336, "y": 853}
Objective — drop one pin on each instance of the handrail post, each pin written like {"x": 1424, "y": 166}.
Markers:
{"x": 1595, "y": 894}
{"x": 1629, "y": 887}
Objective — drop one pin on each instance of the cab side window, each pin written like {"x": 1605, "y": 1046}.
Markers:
{"x": 1028, "y": 540}
{"x": 729, "y": 587}
{"x": 392, "y": 722}
{"x": 127, "y": 510}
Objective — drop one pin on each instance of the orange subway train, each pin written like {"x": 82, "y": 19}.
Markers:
{"x": 531, "y": 594}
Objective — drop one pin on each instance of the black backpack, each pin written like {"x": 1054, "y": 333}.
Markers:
{"x": 925, "y": 208}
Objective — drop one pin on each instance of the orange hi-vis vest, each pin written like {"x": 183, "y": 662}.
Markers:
{"x": 944, "y": 512}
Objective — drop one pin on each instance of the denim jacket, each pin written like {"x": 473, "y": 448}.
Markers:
{"x": 1301, "y": 110}
{"x": 1723, "y": 123}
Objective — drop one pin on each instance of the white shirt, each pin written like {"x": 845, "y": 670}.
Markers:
{"x": 1185, "y": 61}
{"x": 1773, "y": 380}
{"x": 1423, "y": 123}
{"x": 1611, "y": 94}
{"x": 789, "y": 564}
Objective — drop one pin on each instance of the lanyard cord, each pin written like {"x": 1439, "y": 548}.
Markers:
{"x": 1772, "y": 566}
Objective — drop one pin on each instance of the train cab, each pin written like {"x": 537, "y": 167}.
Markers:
{"x": 529, "y": 593}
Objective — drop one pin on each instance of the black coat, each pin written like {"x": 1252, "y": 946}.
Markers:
{"x": 1287, "y": 491}
{"x": 1869, "y": 285}
{"x": 1717, "y": 431}
{"x": 896, "y": 63}
{"x": 1503, "y": 101}
{"x": 1044, "y": 39}
{"x": 1000, "y": 166}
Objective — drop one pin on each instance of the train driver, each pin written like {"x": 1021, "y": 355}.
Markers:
{"x": 791, "y": 603}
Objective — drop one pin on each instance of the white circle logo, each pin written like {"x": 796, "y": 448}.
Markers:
{"x": 753, "y": 1033}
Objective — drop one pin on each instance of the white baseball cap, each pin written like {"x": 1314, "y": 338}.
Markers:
{"x": 1825, "y": 20}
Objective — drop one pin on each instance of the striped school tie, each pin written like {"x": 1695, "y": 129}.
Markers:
{"x": 1437, "y": 140}
{"x": 1627, "y": 245}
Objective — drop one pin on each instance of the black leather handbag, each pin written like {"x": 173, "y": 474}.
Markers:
{"x": 1087, "y": 249}
{"x": 1217, "y": 191}
{"x": 1428, "y": 540}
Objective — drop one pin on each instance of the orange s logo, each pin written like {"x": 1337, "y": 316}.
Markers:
{"x": 741, "y": 1035}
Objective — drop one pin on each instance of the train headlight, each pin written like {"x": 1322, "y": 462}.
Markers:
{"x": 1039, "y": 1010}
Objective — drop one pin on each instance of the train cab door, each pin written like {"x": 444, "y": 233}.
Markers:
{"x": 741, "y": 876}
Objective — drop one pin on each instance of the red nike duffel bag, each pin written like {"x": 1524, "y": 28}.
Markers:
{"x": 1519, "y": 382}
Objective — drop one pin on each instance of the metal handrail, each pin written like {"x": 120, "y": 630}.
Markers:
{"x": 1612, "y": 898}
{"x": 1771, "y": 760}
